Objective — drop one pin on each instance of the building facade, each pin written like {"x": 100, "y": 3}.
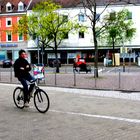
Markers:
{"x": 81, "y": 43}
{"x": 10, "y": 13}
{"x": 78, "y": 44}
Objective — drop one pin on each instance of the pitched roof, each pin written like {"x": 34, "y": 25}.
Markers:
{"x": 65, "y": 3}
{"x": 74, "y": 3}
{"x": 14, "y": 4}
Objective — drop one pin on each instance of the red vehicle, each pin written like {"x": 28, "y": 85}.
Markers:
{"x": 80, "y": 61}
{"x": 80, "y": 65}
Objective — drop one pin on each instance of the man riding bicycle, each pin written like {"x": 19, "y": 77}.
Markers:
{"x": 22, "y": 69}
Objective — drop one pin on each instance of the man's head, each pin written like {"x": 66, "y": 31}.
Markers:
{"x": 22, "y": 54}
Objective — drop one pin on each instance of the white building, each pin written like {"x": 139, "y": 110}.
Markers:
{"x": 82, "y": 43}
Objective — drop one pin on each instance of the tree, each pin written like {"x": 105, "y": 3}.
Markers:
{"x": 49, "y": 25}
{"x": 119, "y": 29}
{"x": 90, "y": 6}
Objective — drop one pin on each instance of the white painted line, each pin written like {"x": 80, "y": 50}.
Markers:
{"x": 100, "y": 70}
{"x": 98, "y": 116}
{"x": 111, "y": 70}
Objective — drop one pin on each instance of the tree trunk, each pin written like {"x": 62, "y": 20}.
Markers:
{"x": 95, "y": 44}
{"x": 114, "y": 62}
{"x": 96, "y": 58}
{"x": 56, "y": 56}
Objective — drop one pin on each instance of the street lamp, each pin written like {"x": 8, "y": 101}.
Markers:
{"x": 123, "y": 56}
{"x": 38, "y": 58}
{"x": 42, "y": 47}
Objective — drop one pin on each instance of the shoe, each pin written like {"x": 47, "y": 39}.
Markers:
{"x": 26, "y": 104}
{"x": 31, "y": 94}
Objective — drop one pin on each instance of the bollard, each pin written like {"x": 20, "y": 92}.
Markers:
{"x": 44, "y": 76}
{"x": 11, "y": 75}
{"x": 95, "y": 78}
{"x": 55, "y": 79}
{"x": 74, "y": 77}
{"x": 65, "y": 68}
{"x": 119, "y": 78}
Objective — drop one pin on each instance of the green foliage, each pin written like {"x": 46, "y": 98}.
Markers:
{"x": 118, "y": 27}
{"x": 47, "y": 23}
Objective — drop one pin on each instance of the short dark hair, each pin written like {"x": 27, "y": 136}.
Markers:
{"x": 21, "y": 51}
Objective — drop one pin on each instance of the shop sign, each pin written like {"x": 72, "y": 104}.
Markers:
{"x": 9, "y": 45}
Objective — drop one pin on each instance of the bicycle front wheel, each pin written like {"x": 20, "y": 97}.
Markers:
{"x": 18, "y": 97}
{"x": 41, "y": 101}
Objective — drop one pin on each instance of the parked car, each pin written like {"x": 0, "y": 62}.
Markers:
{"x": 7, "y": 63}
{"x": 53, "y": 63}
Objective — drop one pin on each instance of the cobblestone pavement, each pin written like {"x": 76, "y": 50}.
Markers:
{"x": 74, "y": 114}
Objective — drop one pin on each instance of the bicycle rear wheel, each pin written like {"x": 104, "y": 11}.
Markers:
{"x": 18, "y": 97}
{"x": 41, "y": 101}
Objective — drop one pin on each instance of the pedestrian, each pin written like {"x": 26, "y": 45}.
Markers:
{"x": 22, "y": 70}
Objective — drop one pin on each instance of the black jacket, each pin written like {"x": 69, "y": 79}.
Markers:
{"x": 21, "y": 67}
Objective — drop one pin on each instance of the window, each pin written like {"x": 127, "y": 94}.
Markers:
{"x": 9, "y": 36}
{"x": 20, "y": 6}
{"x": 66, "y": 35}
{"x": 112, "y": 15}
{"x": 81, "y": 34}
{"x": 8, "y": 7}
{"x": 97, "y": 17}
{"x": 129, "y": 15}
{"x": 50, "y": 36}
{"x": 20, "y": 37}
{"x": 0, "y": 8}
{"x": 81, "y": 17}
{"x": 65, "y": 18}
{"x": 8, "y": 22}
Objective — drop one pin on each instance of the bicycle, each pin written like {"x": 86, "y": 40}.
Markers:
{"x": 40, "y": 98}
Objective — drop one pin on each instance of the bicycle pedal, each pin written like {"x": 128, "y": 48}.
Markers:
{"x": 18, "y": 98}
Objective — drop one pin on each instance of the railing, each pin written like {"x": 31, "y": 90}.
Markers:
{"x": 110, "y": 78}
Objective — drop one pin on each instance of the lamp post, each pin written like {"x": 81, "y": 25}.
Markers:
{"x": 123, "y": 57}
{"x": 38, "y": 57}
{"x": 42, "y": 48}
{"x": 42, "y": 54}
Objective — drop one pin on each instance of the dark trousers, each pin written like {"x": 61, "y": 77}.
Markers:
{"x": 26, "y": 88}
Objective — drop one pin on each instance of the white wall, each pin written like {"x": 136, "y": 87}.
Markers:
{"x": 74, "y": 41}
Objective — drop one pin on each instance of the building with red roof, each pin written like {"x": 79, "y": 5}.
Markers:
{"x": 79, "y": 44}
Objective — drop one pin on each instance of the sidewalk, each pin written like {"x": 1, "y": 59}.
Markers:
{"x": 74, "y": 114}
{"x": 123, "y": 81}
{"x": 91, "y": 92}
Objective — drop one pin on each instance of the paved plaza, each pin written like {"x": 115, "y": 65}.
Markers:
{"x": 74, "y": 114}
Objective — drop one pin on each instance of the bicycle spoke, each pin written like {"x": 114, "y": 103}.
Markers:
{"x": 41, "y": 101}
{"x": 18, "y": 97}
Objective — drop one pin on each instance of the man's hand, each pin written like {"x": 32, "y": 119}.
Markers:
{"x": 21, "y": 68}
{"x": 27, "y": 66}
